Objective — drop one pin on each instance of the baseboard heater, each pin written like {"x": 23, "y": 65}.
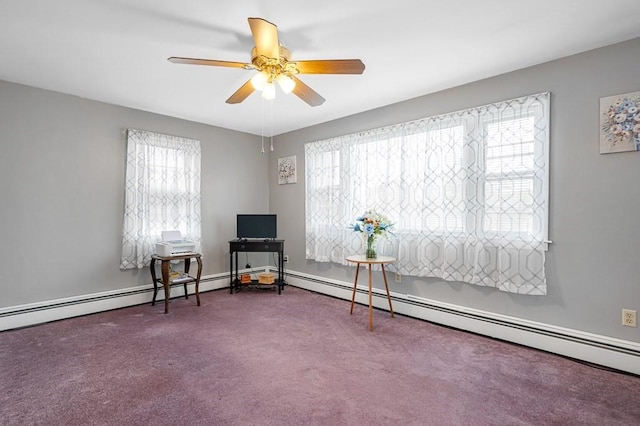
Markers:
{"x": 53, "y": 310}
{"x": 592, "y": 348}
{"x": 597, "y": 349}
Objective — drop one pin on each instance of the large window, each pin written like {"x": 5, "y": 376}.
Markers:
{"x": 468, "y": 192}
{"x": 162, "y": 193}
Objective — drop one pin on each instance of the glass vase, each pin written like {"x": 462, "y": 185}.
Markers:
{"x": 371, "y": 248}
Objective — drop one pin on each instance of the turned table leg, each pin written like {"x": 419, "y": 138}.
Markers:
{"x": 166, "y": 283}
{"x": 198, "y": 280}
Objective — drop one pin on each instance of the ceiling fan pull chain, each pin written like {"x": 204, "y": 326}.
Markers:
{"x": 271, "y": 106}
{"x": 262, "y": 131}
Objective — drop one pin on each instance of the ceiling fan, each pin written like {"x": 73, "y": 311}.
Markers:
{"x": 272, "y": 61}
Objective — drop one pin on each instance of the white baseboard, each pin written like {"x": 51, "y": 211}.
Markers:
{"x": 52, "y": 310}
{"x": 615, "y": 353}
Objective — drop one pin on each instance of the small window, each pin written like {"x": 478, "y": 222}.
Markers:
{"x": 162, "y": 193}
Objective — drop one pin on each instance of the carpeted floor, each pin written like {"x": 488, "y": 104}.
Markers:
{"x": 256, "y": 358}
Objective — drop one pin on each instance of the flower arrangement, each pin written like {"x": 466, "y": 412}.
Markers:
{"x": 287, "y": 170}
{"x": 621, "y": 121}
{"x": 372, "y": 225}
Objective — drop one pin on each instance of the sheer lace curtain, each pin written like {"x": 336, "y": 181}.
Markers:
{"x": 468, "y": 192}
{"x": 162, "y": 193}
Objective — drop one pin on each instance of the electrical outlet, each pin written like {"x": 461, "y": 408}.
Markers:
{"x": 285, "y": 258}
{"x": 629, "y": 318}
{"x": 398, "y": 277}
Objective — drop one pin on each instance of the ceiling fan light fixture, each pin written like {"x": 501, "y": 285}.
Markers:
{"x": 259, "y": 80}
{"x": 269, "y": 91}
{"x": 286, "y": 83}
{"x": 271, "y": 60}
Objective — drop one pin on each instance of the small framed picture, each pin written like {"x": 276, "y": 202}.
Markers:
{"x": 620, "y": 123}
{"x": 287, "y": 170}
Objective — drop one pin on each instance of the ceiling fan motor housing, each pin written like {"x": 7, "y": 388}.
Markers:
{"x": 273, "y": 67}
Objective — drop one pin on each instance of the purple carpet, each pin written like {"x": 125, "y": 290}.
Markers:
{"x": 256, "y": 358}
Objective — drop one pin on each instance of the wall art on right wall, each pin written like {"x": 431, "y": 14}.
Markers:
{"x": 620, "y": 123}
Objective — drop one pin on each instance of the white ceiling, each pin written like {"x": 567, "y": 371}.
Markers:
{"x": 116, "y": 51}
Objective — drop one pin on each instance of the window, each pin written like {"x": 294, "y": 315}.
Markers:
{"x": 468, "y": 192}
{"x": 510, "y": 178}
{"x": 162, "y": 193}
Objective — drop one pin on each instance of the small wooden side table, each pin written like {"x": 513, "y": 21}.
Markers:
{"x": 166, "y": 281}
{"x": 380, "y": 260}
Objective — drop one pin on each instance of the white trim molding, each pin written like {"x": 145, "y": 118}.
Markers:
{"x": 606, "y": 351}
{"x": 53, "y": 310}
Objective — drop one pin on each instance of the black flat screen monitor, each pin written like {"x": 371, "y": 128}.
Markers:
{"x": 257, "y": 226}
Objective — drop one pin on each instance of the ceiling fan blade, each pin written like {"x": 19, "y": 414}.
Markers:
{"x": 306, "y": 93}
{"x": 331, "y": 66}
{"x": 241, "y": 94}
{"x": 265, "y": 36}
{"x": 210, "y": 62}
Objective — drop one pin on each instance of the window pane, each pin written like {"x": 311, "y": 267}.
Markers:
{"x": 509, "y": 176}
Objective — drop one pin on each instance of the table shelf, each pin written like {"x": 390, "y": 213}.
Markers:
{"x": 255, "y": 285}
{"x": 166, "y": 281}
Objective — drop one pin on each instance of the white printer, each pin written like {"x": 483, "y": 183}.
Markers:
{"x": 172, "y": 244}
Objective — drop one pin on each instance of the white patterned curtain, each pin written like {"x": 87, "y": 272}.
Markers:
{"x": 162, "y": 193}
{"x": 468, "y": 192}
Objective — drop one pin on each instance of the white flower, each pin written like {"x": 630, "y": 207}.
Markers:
{"x": 632, "y": 110}
{"x": 617, "y": 129}
{"x": 621, "y": 117}
{"x": 636, "y": 118}
{"x": 636, "y": 128}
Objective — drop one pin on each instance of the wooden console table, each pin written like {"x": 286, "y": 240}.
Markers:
{"x": 166, "y": 281}
{"x": 380, "y": 260}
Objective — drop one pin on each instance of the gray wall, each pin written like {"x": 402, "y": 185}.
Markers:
{"x": 62, "y": 178}
{"x": 62, "y": 192}
{"x": 593, "y": 265}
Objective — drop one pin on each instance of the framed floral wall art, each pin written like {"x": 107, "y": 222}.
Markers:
{"x": 620, "y": 123}
{"x": 287, "y": 170}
